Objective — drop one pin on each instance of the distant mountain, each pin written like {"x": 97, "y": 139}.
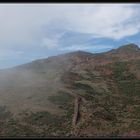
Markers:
{"x": 129, "y": 47}
{"x": 73, "y": 94}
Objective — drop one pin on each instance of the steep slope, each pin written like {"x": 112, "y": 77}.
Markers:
{"x": 74, "y": 94}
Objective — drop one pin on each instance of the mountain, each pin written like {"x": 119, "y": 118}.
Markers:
{"x": 73, "y": 94}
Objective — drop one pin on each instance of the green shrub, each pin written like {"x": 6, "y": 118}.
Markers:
{"x": 130, "y": 87}
{"x": 85, "y": 87}
{"x": 61, "y": 99}
{"x": 121, "y": 72}
{"x": 44, "y": 117}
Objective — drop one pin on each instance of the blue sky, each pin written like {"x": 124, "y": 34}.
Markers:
{"x": 33, "y": 31}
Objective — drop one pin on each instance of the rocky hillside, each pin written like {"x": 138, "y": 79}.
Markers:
{"x": 74, "y": 94}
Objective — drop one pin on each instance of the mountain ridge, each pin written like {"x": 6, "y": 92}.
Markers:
{"x": 45, "y": 97}
{"x": 131, "y": 47}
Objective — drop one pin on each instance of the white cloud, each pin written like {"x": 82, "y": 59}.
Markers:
{"x": 29, "y": 24}
{"x": 104, "y": 20}
{"x": 6, "y": 54}
{"x": 115, "y": 21}
{"x": 49, "y": 43}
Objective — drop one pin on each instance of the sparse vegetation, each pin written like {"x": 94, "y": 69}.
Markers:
{"x": 61, "y": 99}
{"x": 44, "y": 117}
{"x": 85, "y": 87}
{"x": 121, "y": 72}
{"x": 109, "y": 93}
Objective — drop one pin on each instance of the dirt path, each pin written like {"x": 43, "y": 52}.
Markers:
{"x": 76, "y": 111}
